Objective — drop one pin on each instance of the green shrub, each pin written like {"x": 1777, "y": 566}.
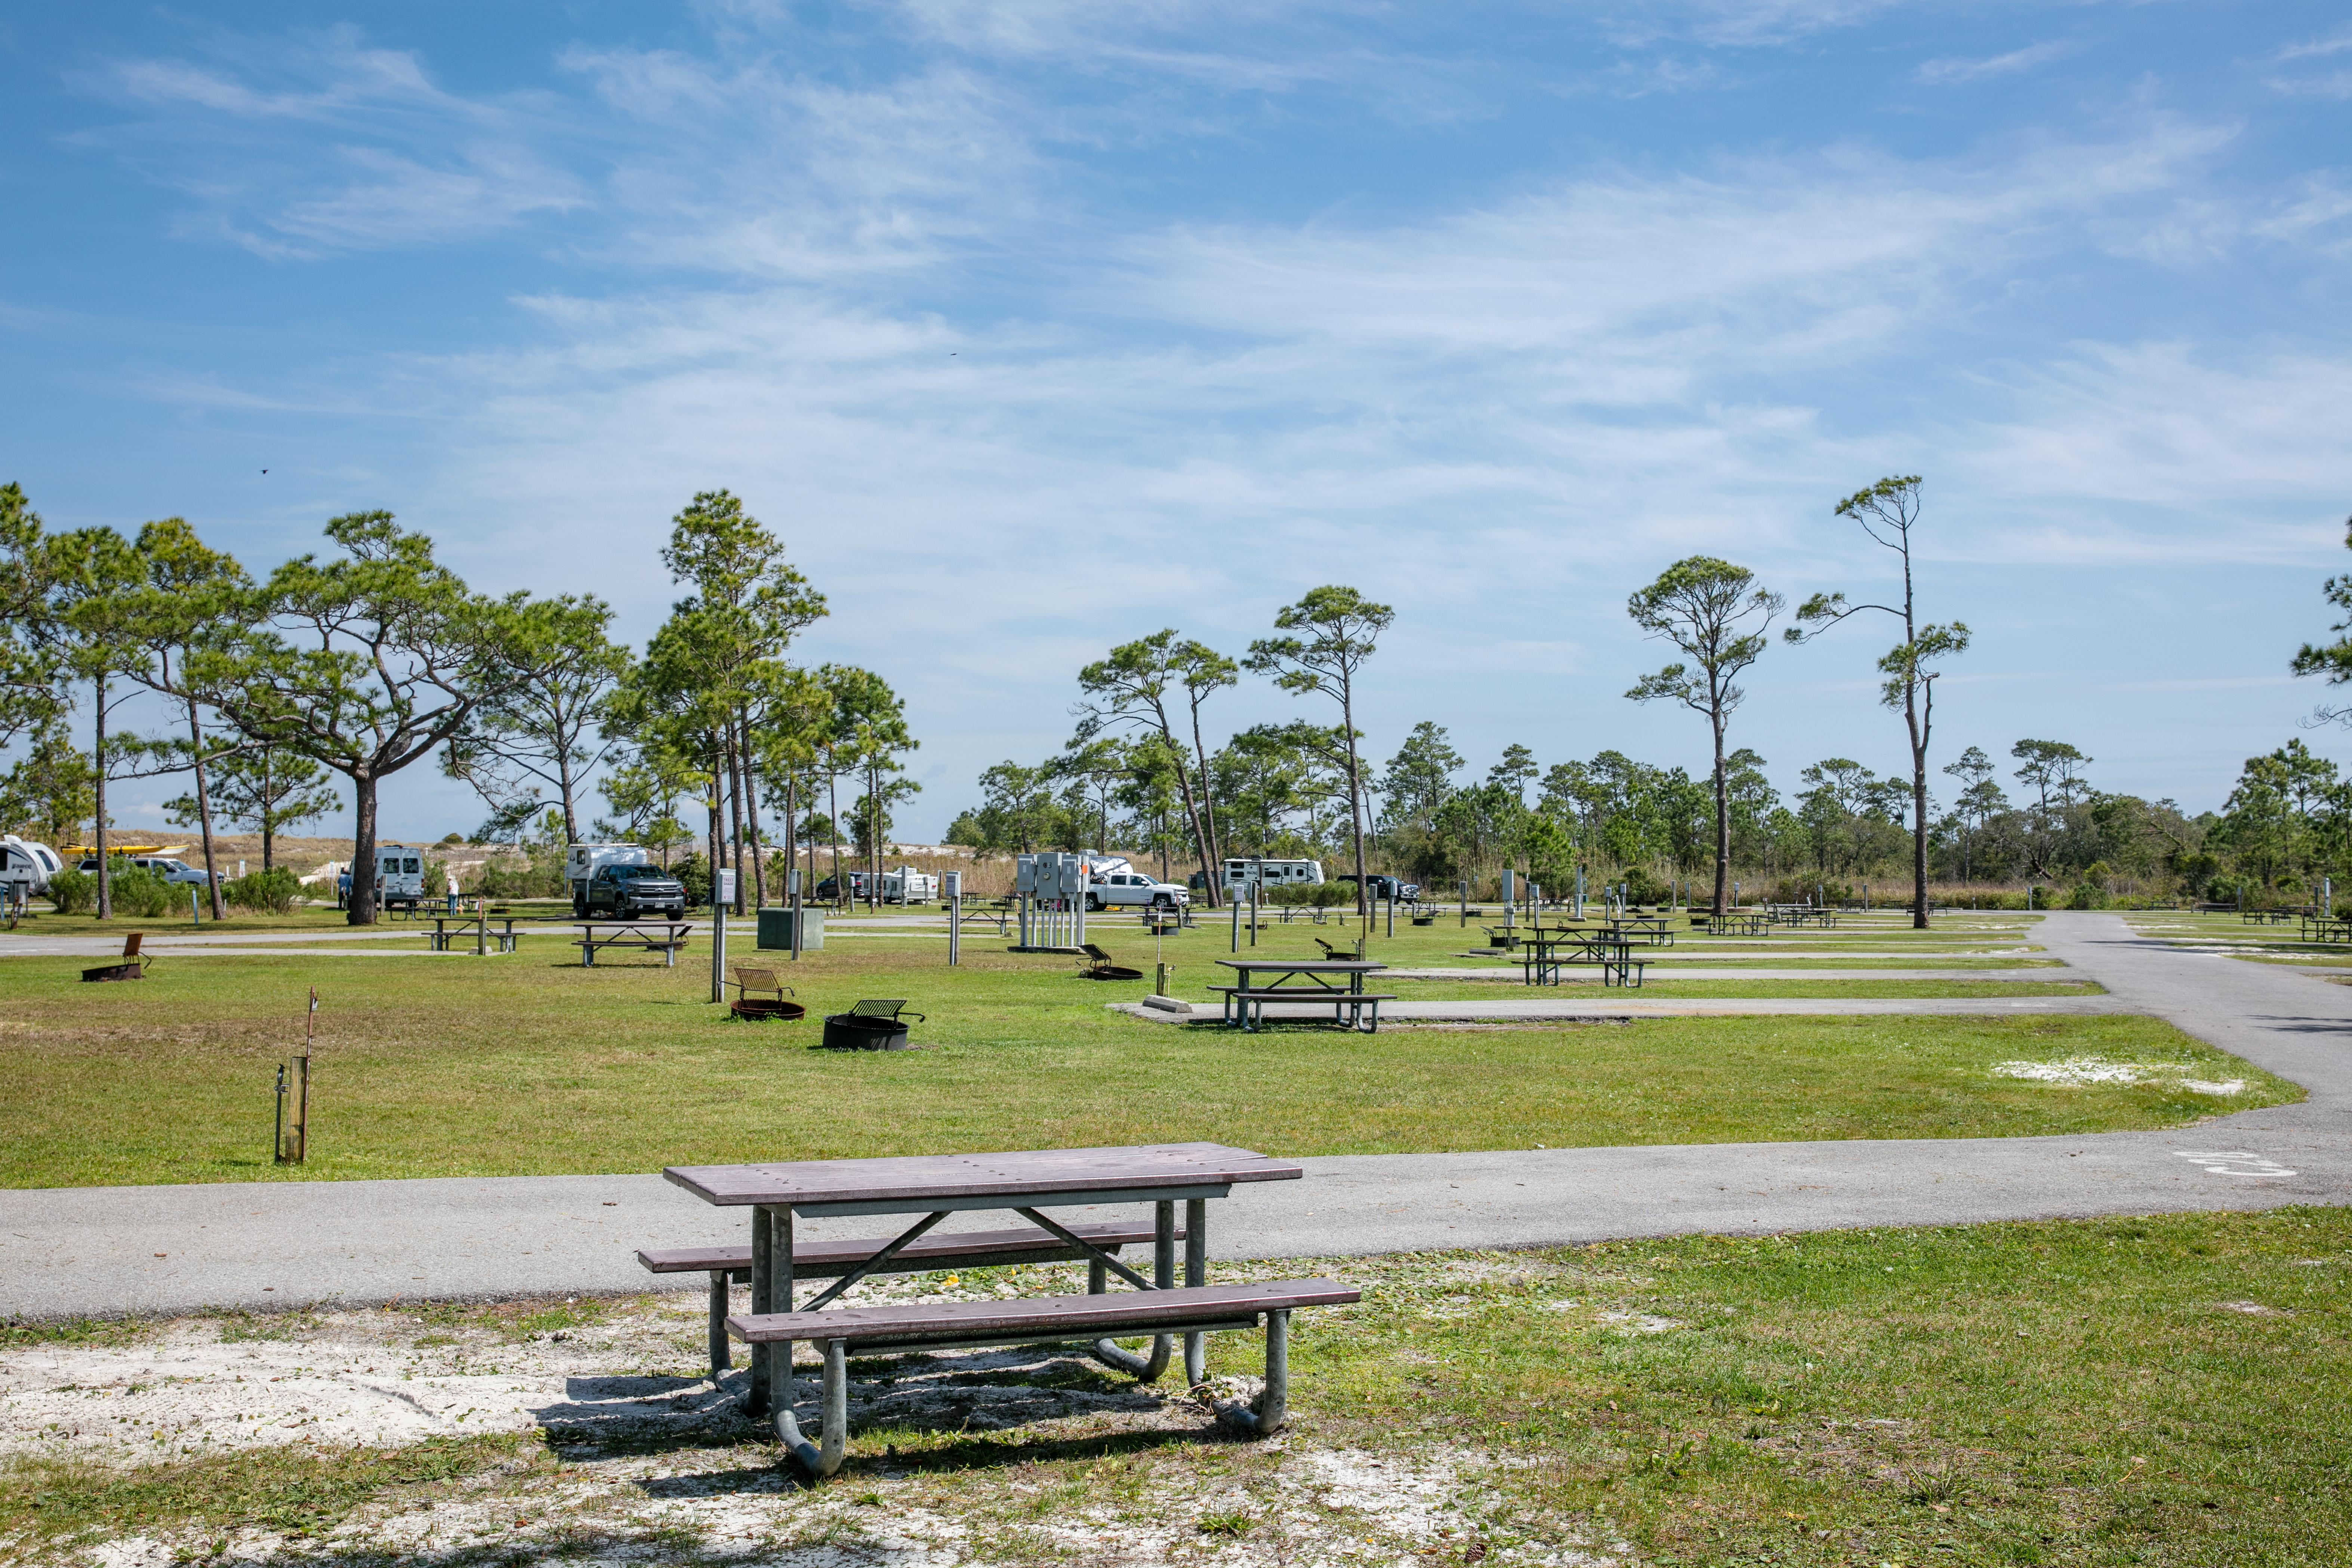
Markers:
{"x": 509, "y": 877}
{"x": 73, "y": 892}
{"x": 2087, "y": 895}
{"x": 140, "y": 893}
{"x": 270, "y": 892}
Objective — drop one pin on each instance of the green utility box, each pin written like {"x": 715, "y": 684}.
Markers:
{"x": 776, "y": 930}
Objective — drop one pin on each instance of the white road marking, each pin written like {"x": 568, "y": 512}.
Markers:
{"x": 2233, "y": 1161}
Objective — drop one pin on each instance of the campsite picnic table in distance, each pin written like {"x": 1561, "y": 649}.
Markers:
{"x": 447, "y": 926}
{"x": 663, "y": 936}
{"x": 1338, "y": 983}
{"x": 1546, "y": 952}
{"x": 1028, "y": 1184}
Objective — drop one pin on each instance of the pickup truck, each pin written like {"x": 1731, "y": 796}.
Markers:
{"x": 631, "y": 893}
{"x": 1132, "y": 889}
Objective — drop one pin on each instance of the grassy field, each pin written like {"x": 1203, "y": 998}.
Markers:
{"x": 2170, "y": 1392}
{"x": 451, "y": 1065}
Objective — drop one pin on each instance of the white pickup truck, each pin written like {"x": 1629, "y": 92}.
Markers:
{"x": 1127, "y": 888}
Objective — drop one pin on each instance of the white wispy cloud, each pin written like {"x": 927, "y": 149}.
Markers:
{"x": 1949, "y": 72}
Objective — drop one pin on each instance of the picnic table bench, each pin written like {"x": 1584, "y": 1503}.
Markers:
{"x": 2269, "y": 917}
{"x": 984, "y": 911}
{"x": 2327, "y": 928}
{"x": 1656, "y": 929}
{"x": 1794, "y": 915}
{"x": 1028, "y": 1184}
{"x": 665, "y": 937}
{"x": 1302, "y": 980}
{"x": 1546, "y": 954}
{"x": 445, "y": 926}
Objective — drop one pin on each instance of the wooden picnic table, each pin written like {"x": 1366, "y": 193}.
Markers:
{"x": 1544, "y": 953}
{"x": 1795, "y": 915}
{"x": 445, "y": 925}
{"x": 1306, "y": 980}
{"x": 1746, "y": 923}
{"x": 665, "y": 937}
{"x": 2326, "y": 928}
{"x": 1657, "y": 930}
{"x": 1026, "y": 1183}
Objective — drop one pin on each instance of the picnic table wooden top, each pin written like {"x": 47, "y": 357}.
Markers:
{"x": 1305, "y": 965}
{"x": 1012, "y": 1176}
{"x": 662, "y": 923}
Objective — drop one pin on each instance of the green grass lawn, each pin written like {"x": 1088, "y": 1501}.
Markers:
{"x": 441, "y": 1065}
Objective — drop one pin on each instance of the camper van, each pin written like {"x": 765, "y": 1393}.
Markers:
{"x": 1239, "y": 872}
{"x": 399, "y": 876}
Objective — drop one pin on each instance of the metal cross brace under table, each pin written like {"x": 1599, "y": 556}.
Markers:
{"x": 935, "y": 1187}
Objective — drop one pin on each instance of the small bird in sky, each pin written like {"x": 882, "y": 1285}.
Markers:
{"x": 265, "y": 471}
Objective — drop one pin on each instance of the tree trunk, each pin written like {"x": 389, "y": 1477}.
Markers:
{"x": 833, "y": 800}
{"x": 97, "y": 835}
{"x": 1211, "y": 885}
{"x": 735, "y": 817}
{"x": 1355, "y": 802}
{"x": 564, "y": 782}
{"x": 1208, "y": 795}
{"x": 1918, "y": 807}
{"x": 203, "y": 810}
{"x": 1722, "y": 824}
{"x": 268, "y": 805}
{"x": 363, "y": 909}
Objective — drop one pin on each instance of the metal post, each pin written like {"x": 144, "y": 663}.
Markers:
{"x": 1391, "y": 911}
{"x": 792, "y": 894}
{"x": 278, "y": 1133}
{"x": 1196, "y": 1272}
{"x": 1464, "y": 885}
{"x": 955, "y": 927}
{"x": 1237, "y": 925}
{"x": 717, "y": 939}
{"x": 1253, "y": 913}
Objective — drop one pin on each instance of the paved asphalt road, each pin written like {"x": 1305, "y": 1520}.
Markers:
{"x": 95, "y": 1250}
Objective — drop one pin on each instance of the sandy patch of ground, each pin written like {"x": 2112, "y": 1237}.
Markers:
{"x": 625, "y": 1452}
{"x": 2084, "y": 1071}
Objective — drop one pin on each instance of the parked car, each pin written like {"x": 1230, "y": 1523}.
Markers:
{"x": 162, "y": 866}
{"x": 630, "y": 892}
{"x": 1381, "y": 887}
{"x": 1131, "y": 888}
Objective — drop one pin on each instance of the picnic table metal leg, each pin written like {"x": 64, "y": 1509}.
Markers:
{"x": 755, "y": 1393}
{"x": 833, "y": 1419}
{"x": 1272, "y": 1407}
{"x": 1196, "y": 1272}
{"x": 720, "y": 1361}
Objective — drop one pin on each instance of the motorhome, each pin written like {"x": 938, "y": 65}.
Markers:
{"x": 1242, "y": 871}
{"x": 904, "y": 885}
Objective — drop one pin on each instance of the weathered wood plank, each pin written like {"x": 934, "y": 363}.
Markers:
{"x": 1022, "y": 1173}
{"x": 976, "y": 1244}
{"x": 1071, "y": 1315}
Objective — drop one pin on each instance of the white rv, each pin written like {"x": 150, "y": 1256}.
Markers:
{"x": 1241, "y": 871}
{"x": 24, "y": 868}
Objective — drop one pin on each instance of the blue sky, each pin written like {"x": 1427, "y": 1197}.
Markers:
{"x": 1034, "y": 327}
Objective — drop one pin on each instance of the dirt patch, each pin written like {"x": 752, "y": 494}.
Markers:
{"x": 624, "y": 1451}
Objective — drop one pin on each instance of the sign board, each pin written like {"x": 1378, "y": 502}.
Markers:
{"x": 951, "y": 884}
{"x": 726, "y": 885}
